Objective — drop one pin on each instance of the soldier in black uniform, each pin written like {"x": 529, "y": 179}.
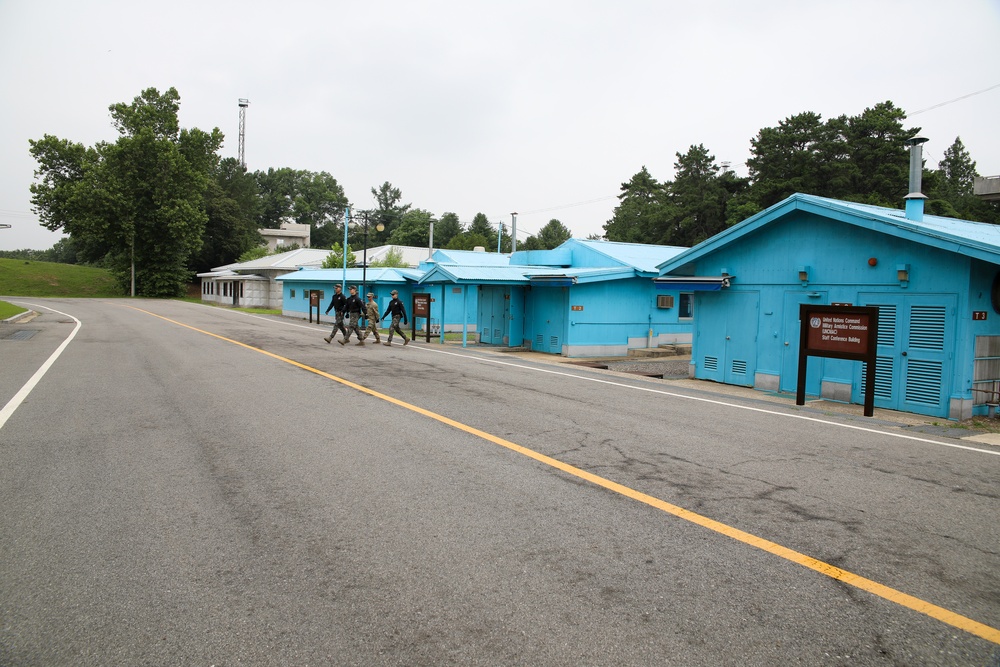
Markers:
{"x": 353, "y": 308}
{"x": 398, "y": 311}
{"x": 337, "y": 304}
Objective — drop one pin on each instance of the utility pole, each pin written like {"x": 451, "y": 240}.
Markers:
{"x": 513, "y": 232}
{"x": 244, "y": 103}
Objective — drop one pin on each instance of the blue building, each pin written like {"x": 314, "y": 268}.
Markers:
{"x": 935, "y": 281}
{"x": 582, "y": 299}
{"x": 296, "y": 285}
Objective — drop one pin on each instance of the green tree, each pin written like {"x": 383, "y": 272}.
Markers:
{"x": 139, "y": 201}
{"x": 697, "y": 199}
{"x": 277, "y": 188}
{"x": 950, "y": 188}
{"x": 469, "y": 241}
{"x": 481, "y": 227}
{"x": 319, "y": 201}
{"x": 389, "y": 212}
{"x": 414, "y": 230}
{"x": 232, "y": 204}
{"x": 858, "y": 158}
{"x": 802, "y": 154}
{"x": 958, "y": 170}
{"x": 445, "y": 229}
{"x": 552, "y": 235}
{"x": 392, "y": 259}
{"x": 639, "y": 214}
{"x": 335, "y": 260}
{"x": 878, "y": 156}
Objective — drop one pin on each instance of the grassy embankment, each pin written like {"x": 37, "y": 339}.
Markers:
{"x": 19, "y": 277}
{"x": 49, "y": 279}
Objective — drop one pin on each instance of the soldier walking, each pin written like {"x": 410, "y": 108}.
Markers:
{"x": 353, "y": 308}
{"x": 337, "y": 304}
{"x": 398, "y": 311}
{"x": 373, "y": 319}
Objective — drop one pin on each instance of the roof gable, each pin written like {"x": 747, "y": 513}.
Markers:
{"x": 975, "y": 239}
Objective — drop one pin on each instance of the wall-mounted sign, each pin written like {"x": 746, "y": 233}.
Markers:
{"x": 576, "y": 307}
{"x": 840, "y": 332}
{"x": 979, "y": 314}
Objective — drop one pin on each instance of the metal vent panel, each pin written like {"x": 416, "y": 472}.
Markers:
{"x": 923, "y": 382}
{"x": 886, "y": 324}
{"x": 927, "y": 327}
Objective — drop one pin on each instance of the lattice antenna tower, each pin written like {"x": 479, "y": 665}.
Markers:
{"x": 244, "y": 103}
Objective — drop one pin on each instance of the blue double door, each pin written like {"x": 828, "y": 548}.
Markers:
{"x": 914, "y": 364}
{"x": 726, "y": 336}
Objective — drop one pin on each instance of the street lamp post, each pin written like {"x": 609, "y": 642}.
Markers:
{"x": 364, "y": 262}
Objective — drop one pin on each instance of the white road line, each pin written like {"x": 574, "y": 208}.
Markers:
{"x": 14, "y": 403}
{"x": 651, "y": 390}
{"x": 901, "y": 436}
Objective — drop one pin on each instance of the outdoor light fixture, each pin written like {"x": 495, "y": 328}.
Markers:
{"x": 379, "y": 227}
{"x": 872, "y": 261}
{"x": 903, "y": 274}
{"x": 804, "y": 274}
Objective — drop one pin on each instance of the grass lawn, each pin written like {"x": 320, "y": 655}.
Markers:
{"x": 20, "y": 277}
{"x": 9, "y": 310}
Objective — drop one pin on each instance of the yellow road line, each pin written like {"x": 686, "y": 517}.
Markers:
{"x": 982, "y": 630}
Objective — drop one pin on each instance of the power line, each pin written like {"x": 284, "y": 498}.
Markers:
{"x": 557, "y": 208}
{"x": 957, "y": 99}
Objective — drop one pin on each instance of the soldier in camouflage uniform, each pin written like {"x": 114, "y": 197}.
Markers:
{"x": 373, "y": 320}
{"x": 337, "y": 304}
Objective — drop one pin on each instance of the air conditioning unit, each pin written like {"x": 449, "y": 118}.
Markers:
{"x": 664, "y": 300}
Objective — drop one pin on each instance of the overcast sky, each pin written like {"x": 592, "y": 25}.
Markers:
{"x": 544, "y": 108}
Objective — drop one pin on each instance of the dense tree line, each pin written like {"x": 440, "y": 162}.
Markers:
{"x": 161, "y": 201}
{"x": 861, "y": 158}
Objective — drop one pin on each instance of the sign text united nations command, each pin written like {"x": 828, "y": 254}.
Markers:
{"x": 838, "y": 332}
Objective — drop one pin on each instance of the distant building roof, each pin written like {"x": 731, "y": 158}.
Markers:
{"x": 353, "y": 276}
{"x": 412, "y": 255}
{"x": 643, "y": 257}
{"x": 470, "y": 258}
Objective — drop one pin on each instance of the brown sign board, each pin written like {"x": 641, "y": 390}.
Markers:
{"x": 837, "y": 331}
{"x": 421, "y": 305}
{"x": 840, "y": 332}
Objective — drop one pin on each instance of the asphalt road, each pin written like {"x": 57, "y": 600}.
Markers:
{"x": 187, "y": 485}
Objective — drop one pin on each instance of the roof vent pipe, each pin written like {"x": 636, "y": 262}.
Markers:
{"x": 915, "y": 200}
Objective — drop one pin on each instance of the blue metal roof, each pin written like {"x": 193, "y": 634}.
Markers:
{"x": 470, "y": 258}
{"x": 640, "y": 256}
{"x": 974, "y": 239}
{"x": 353, "y": 275}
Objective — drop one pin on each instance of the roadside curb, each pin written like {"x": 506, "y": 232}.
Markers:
{"x": 20, "y": 316}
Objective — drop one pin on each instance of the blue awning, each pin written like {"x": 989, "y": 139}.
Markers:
{"x": 692, "y": 283}
{"x": 553, "y": 281}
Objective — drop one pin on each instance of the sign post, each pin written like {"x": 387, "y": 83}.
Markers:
{"x": 314, "y": 295}
{"x": 838, "y": 332}
{"x": 421, "y": 308}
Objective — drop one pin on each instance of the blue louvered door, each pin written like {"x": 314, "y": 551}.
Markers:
{"x": 914, "y": 362}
